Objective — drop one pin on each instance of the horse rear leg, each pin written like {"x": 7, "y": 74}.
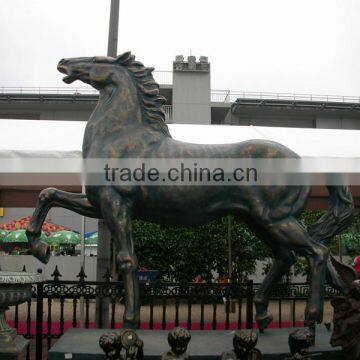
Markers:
{"x": 49, "y": 198}
{"x": 282, "y": 261}
{"x": 117, "y": 213}
{"x": 290, "y": 234}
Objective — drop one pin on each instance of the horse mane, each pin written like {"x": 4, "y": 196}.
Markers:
{"x": 148, "y": 90}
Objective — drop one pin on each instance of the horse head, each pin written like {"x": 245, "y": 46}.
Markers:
{"x": 130, "y": 79}
{"x": 97, "y": 71}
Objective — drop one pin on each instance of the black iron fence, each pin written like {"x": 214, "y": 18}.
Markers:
{"x": 57, "y": 305}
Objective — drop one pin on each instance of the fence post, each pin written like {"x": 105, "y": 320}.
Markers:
{"x": 249, "y": 304}
{"x": 39, "y": 320}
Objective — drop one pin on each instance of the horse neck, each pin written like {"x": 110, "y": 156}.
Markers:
{"x": 119, "y": 106}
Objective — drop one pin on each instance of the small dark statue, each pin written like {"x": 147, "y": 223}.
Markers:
{"x": 244, "y": 343}
{"x": 113, "y": 343}
{"x": 346, "y": 332}
{"x": 178, "y": 339}
{"x": 299, "y": 342}
{"x": 132, "y": 344}
{"x": 129, "y": 122}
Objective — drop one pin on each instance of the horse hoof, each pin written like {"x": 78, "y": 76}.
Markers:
{"x": 264, "y": 321}
{"x": 41, "y": 251}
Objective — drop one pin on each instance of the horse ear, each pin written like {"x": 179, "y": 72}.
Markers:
{"x": 347, "y": 273}
{"x": 124, "y": 58}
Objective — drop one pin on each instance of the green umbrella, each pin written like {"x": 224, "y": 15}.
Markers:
{"x": 51, "y": 241}
{"x": 3, "y": 233}
{"x": 64, "y": 237}
{"x": 17, "y": 238}
{"x": 92, "y": 239}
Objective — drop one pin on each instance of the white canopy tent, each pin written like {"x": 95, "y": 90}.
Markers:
{"x": 44, "y": 138}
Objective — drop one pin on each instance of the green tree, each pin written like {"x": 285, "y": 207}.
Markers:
{"x": 181, "y": 253}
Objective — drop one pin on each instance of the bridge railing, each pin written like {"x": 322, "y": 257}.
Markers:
{"x": 231, "y": 96}
{"x": 165, "y": 78}
{"x": 168, "y": 110}
{"x": 48, "y": 90}
{"x": 162, "y": 77}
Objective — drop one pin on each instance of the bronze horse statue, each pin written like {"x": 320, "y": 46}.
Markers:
{"x": 128, "y": 122}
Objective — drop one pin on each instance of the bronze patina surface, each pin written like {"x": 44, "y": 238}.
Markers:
{"x": 128, "y": 122}
{"x": 127, "y": 341}
{"x": 244, "y": 343}
{"x": 178, "y": 339}
{"x": 300, "y": 341}
{"x": 346, "y": 320}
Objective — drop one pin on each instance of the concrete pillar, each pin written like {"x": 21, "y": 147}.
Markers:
{"x": 191, "y": 91}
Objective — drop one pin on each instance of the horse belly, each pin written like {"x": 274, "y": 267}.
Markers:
{"x": 186, "y": 205}
{"x": 196, "y": 205}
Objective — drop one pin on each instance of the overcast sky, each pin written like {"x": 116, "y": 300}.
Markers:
{"x": 309, "y": 46}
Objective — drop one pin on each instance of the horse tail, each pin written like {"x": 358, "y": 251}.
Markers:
{"x": 337, "y": 218}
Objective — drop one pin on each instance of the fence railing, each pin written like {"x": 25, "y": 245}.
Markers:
{"x": 165, "y": 77}
{"x": 168, "y": 110}
{"x": 162, "y": 77}
{"x": 81, "y": 90}
{"x": 231, "y": 96}
{"x": 58, "y": 305}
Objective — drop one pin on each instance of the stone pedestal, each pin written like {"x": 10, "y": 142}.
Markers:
{"x": 83, "y": 344}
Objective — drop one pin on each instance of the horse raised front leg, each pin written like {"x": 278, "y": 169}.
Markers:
{"x": 283, "y": 260}
{"x": 116, "y": 211}
{"x": 49, "y": 198}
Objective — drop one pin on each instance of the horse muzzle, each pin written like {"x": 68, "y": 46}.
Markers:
{"x": 64, "y": 69}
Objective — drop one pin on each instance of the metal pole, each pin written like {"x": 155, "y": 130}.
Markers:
{"x": 230, "y": 303}
{"x": 340, "y": 249}
{"x": 82, "y": 233}
{"x": 113, "y": 28}
{"x": 103, "y": 249}
{"x": 230, "y": 267}
{"x": 39, "y": 321}
{"x": 249, "y": 304}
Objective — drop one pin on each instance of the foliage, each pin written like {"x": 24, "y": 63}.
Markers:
{"x": 180, "y": 254}
{"x": 308, "y": 218}
{"x": 350, "y": 239}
